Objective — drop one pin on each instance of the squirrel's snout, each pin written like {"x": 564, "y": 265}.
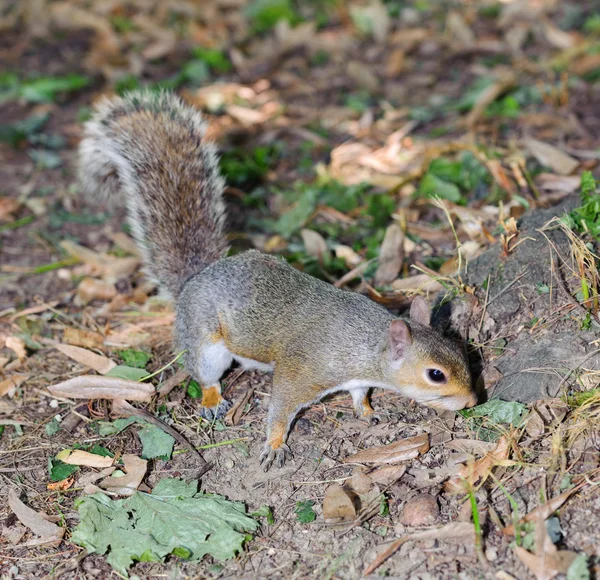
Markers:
{"x": 472, "y": 402}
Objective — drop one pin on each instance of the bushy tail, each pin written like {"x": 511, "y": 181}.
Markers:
{"x": 147, "y": 149}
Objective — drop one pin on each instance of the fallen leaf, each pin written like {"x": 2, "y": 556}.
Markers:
{"x": 97, "y": 387}
{"x": 402, "y": 450}
{"x": 315, "y": 244}
{"x": 372, "y": 18}
{"x": 135, "y": 468}
{"x": 391, "y": 255}
{"x": 458, "y": 30}
{"x": 50, "y": 534}
{"x": 17, "y": 345}
{"x": 82, "y": 338}
{"x": 420, "y": 282}
{"x": 563, "y": 183}
{"x": 387, "y": 474}
{"x": 94, "y": 476}
{"x": 96, "y": 362}
{"x": 480, "y": 469}
{"x": 9, "y": 385}
{"x": 338, "y": 504}
{"x": 93, "y": 289}
{"x": 8, "y": 206}
{"x": 61, "y": 485}
{"x": 421, "y": 510}
{"x": 346, "y": 253}
{"x": 110, "y": 267}
{"x": 234, "y": 414}
{"x": 79, "y": 457}
{"x": 464, "y": 530}
{"x": 395, "y": 64}
{"x": 551, "y": 156}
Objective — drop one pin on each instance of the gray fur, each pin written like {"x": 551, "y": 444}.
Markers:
{"x": 147, "y": 150}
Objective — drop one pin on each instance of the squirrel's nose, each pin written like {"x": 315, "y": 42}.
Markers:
{"x": 472, "y": 402}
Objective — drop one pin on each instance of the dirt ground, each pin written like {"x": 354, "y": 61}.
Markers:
{"x": 341, "y": 103}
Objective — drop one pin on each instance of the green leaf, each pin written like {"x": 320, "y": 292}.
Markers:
{"x": 295, "y": 218}
{"x": 135, "y": 358}
{"x": 45, "y": 159}
{"x": 59, "y": 470}
{"x": 433, "y": 185}
{"x": 106, "y": 428}
{"x": 156, "y": 443}
{"x": 264, "y": 512}
{"x": 498, "y": 411}
{"x": 45, "y": 89}
{"x": 53, "y": 427}
{"x": 304, "y": 511}
{"x": 194, "y": 391}
{"x": 126, "y": 372}
{"x": 579, "y": 569}
{"x": 175, "y": 517}
{"x": 215, "y": 59}
{"x": 265, "y": 14}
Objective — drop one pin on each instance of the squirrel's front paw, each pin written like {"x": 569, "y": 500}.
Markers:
{"x": 270, "y": 455}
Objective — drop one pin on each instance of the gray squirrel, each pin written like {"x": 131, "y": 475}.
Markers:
{"x": 148, "y": 150}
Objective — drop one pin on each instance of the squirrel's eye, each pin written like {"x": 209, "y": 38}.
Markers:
{"x": 436, "y": 376}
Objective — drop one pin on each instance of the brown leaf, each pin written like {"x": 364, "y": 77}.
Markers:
{"x": 128, "y": 484}
{"x": 93, "y": 289}
{"x": 314, "y": 244}
{"x": 552, "y": 156}
{"x": 562, "y": 183}
{"x": 109, "y": 267}
{"x": 17, "y": 345}
{"x": 463, "y": 530}
{"x": 123, "y": 241}
{"x": 387, "y": 474}
{"x": 79, "y": 457}
{"x": 396, "y": 61}
{"x": 100, "y": 364}
{"x": 234, "y": 414}
{"x": 82, "y": 338}
{"x": 480, "y": 469}
{"x": 421, "y": 510}
{"x": 97, "y": 387}
{"x": 338, "y": 504}
{"x": 419, "y": 282}
{"x": 363, "y": 75}
{"x": 360, "y": 482}
{"x": 546, "y": 510}
{"x": 489, "y": 95}
{"x": 9, "y": 385}
{"x": 50, "y": 534}
{"x": 61, "y": 485}
{"x": 346, "y": 253}
{"x": 8, "y": 205}
{"x": 402, "y": 450}
{"x": 391, "y": 255}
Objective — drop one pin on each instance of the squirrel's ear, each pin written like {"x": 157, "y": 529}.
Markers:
{"x": 419, "y": 311}
{"x": 400, "y": 338}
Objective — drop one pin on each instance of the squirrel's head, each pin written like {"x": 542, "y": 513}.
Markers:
{"x": 426, "y": 366}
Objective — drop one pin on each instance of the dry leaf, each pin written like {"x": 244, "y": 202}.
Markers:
{"x": 94, "y": 476}
{"x": 9, "y": 385}
{"x": 109, "y": 267}
{"x": 93, "y": 289}
{"x": 50, "y": 534}
{"x": 83, "y": 338}
{"x": 363, "y": 75}
{"x": 395, "y": 64}
{"x": 79, "y": 457}
{"x": 96, "y": 362}
{"x": 459, "y": 30}
{"x": 376, "y": 17}
{"x": 17, "y": 345}
{"x": 563, "y": 183}
{"x": 314, "y": 244}
{"x": 234, "y": 414}
{"x": 420, "y": 282}
{"x": 8, "y": 205}
{"x": 97, "y": 387}
{"x": 61, "y": 485}
{"x": 391, "y": 255}
{"x": 480, "y": 469}
{"x": 551, "y": 156}
{"x": 489, "y": 95}
{"x": 463, "y": 530}
{"x": 128, "y": 483}
{"x": 338, "y": 504}
{"x": 473, "y": 446}
{"x": 346, "y": 253}
{"x": 402, "y": 450}
{"x": 387, "y": 474}
{"x": 421, "y": 510}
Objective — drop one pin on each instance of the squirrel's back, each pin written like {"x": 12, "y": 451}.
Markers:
{"x": 148, "y": 149}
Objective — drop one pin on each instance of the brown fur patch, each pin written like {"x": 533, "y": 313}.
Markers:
{"x": 211, "y": 397}
{"x": 276, "y": 437}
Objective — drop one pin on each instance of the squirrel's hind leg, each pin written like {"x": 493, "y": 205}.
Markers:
{"x": 208, "y": 366}
{"x": 362, "y": 406}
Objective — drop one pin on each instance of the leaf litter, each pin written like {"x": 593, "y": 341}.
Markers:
{"x": 367, "y": 109}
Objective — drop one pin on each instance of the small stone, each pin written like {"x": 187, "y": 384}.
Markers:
{"x": 421, "y": 510}
{"x": 54, "y": 404}
{"x": 491, "y": 553}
